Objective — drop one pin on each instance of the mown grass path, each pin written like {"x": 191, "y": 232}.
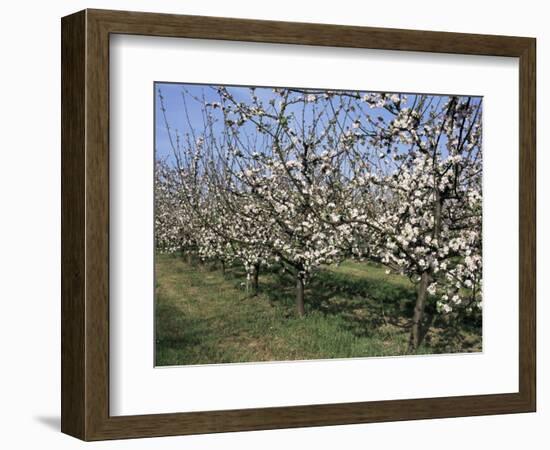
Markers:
{"x": 355, "y": 310}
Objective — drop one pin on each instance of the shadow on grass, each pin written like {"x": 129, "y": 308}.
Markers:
{"x": 369, "y": 306}
{"x": 359, "y": 300}
{"x": 365, "y": 304}
{"x": 180, "y": 338}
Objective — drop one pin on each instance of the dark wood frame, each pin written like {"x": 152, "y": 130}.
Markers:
{"x": 85, "y": 224}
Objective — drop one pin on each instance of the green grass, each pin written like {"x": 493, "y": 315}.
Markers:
{"x": 354, "y": 310}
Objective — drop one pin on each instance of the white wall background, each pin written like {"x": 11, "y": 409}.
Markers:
{"x": 30, "y": 223}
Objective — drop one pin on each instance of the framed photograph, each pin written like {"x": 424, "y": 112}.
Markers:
{"x": 272, "y": 225}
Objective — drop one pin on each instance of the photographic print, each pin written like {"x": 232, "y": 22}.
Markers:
{"x": 307, "y": 224}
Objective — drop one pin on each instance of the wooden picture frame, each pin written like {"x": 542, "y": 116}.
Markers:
{"x": 85, "y": 224}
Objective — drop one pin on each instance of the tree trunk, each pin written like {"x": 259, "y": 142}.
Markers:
{"x": 416, "y": 331}
{"x": 255, "y": 283}
{"x": 223, "y": 267}
{"x": 300, "y": 296}
{"x": 188, "y": 258}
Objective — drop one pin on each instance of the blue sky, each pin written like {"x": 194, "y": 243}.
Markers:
{"x": 176, "y": 114}
{"x": 175, "y": 110}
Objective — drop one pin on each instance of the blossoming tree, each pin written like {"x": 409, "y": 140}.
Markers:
{"x": 307, "y": 178}
{"x": 420, "y": 197}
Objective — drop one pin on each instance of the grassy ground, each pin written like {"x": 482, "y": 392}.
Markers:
{"x": 354, "y": 310}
